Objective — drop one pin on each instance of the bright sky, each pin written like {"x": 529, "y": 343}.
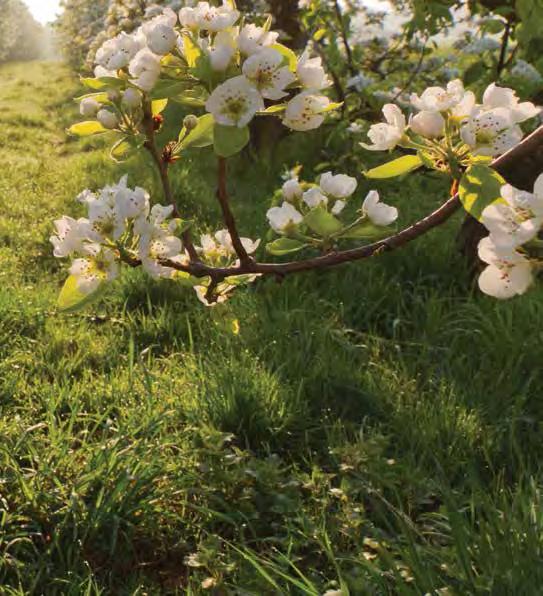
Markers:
{"x": 43, "y": 10}
{"x": 46, "y": 10}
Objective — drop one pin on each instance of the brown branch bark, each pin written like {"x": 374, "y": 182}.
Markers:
{"x": 521, "y": 154}
{"x": 228, "y": 216}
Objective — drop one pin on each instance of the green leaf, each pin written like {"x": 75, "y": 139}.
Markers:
{"x": 322, "y": 222}
{"x": 200, "y": 136}
{"x": 158, "y": 106}
{"x": 87, "y": 128}
{"x": 191, "y": 50}
{"x": 121, "y": 150}
{"x": 100, "y": 83}
{"x": 288, "y": 54}
{"x": 333, "y": 105}
{"x": 229, "y": 140}
{"x": 186, "y": 279}
{"x": 71, "y": 298}
{"x": 169, "y": 88}
{"x": 365, "y": 230}
{"x": 396, "y": 167}
{"x": 281, "y": 107}
{"x": 195, "y": 98}
{"x": 284, "y": 246}
{"x": 480, "y": 187}
{"x": 100, "y": 97}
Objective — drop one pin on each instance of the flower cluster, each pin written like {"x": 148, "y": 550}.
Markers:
{"x": 510, "y": 249}
{"x": 310, "y": 214}
{"x": 447, "y": 123}
{"x": 235, "y": 68}
{"x": 120, "y": 226}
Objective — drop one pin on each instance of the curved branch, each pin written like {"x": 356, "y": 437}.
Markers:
{"x": 502, "y": 164}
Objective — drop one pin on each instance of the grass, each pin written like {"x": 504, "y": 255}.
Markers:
{"x": 374, "y": 429}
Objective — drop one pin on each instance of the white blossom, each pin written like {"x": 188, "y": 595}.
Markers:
{"x": 215, "y": 18}
{"x": 509, "y": 226}
{"x": 338, "y": 207}
{"x": 291, "y": 189}
{"x": 145, "y": 68}
{"x": 490, "y": 132}
{"x": 284, "y": 217}
{"x": 305, "y": 111}
{"x": 502, "y": 97}
{"x": 387, "y": 135}
{"x": 526, "y": 71}
{"x": 70, "y": 236}
{"x": 379, "y": 213}
{"x": 234, "y": 102}
{"x": 116, "y": 53}
{"x": 314, "y": 197}
{"x": 339, "y": 186}
{"x": 160, "y": 33}
{"x": 252, "y": 39}
{"x": 222, "y": 51}
{"x": 267, "y": 73}
{"x": 311, "y": 73}
{"x": 508, "y": 272}
{"x": 131, "y": 98}
{"x": 428, "y": 124}
{"x": 98, "y": 265}
{"x": 437, "y": 99}
{"x": 355, "y": 128}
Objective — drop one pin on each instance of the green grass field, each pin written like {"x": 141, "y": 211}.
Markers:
{"x": 375, "y": 429}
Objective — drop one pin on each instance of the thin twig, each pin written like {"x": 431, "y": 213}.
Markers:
{"x": 228, "y": 217}
{"x": 162, "y": 168}
{"x": 503, "y": 49}
{"x": 345, "y": 38}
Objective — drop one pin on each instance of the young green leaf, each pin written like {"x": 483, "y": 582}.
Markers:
{"x": 229, "y": 140}
{"x": 365, "y": 230}
{"x": 396, "y": 167}
{"x": 87, "y": 128}
{"x": 71, "y": 298}
{"x": 322, "y": 222}
{"x": 100, "y": 83}
{"x": 200, "y": 136}
{"x": 158, "y": 106}
{"x": 291, "y": 58}
{"x": 284, "y": 246}
{"x": 480, "y": 186}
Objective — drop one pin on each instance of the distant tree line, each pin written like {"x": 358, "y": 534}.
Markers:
{"x": 21, "y": 37}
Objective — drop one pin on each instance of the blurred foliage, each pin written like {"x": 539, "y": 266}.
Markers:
{"x": 21, "y": 37}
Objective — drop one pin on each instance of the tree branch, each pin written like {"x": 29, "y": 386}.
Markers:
{"x": 522, "y": 152}
{"x": 228, "y": 217}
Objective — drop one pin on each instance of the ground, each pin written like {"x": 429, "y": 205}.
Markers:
{"x": 375, "y": 429}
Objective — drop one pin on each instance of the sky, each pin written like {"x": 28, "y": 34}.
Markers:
{"x": 43, "y": 11}
{"x": 46, "y": 10}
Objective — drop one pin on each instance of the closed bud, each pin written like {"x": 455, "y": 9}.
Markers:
{"x": 107, "y": 119}
{"x": 113, "y": 95}
{"x": 190, "y": 122}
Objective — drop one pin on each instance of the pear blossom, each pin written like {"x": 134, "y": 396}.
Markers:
{"x": 502, "y": 97}
{"x": 284, "y": 217}
{"x": 355, "y": 128}
{"x": 160, "y": 33}
{"x": 291, "y": 189}
{"x": 527, "y": 203}
{"x": 70, "y": 236}
{"x": 437, "y": 99}
{"x": 428, "y": 124}
{"x": 225, "y": 241}
{"x": 252, "y": 39}
{"x": 266, "y": 71}
{"x": 526, "y": 71}
{"x": 145, "y": 69}
{"x": 305, "y": 111}
{"x": 222, "y": 51}
{"x": 107, "y": 119}
{"x": 311, "y": 73}
{"x": 508, "y": 226}
{"x": 508, "y": 272}
{"x": 188, "y": 17}
{"x": 379, "y": 213}
{"x": 131, "y": 98}
{"x": 234, "y": 102}
{"x": 89, "y": 107}
{"x": 490, "y": 132}
{"x": 96, "y": 266}
{"x": 387, "y": 135}
{"x": 314, "y": 197}
{"x": 215, "y": 18}
{"x": 339, "y": 186}
{"x": 116, "y": 53}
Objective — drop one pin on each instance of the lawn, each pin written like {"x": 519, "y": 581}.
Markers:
{"x": 375, "y": 429}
